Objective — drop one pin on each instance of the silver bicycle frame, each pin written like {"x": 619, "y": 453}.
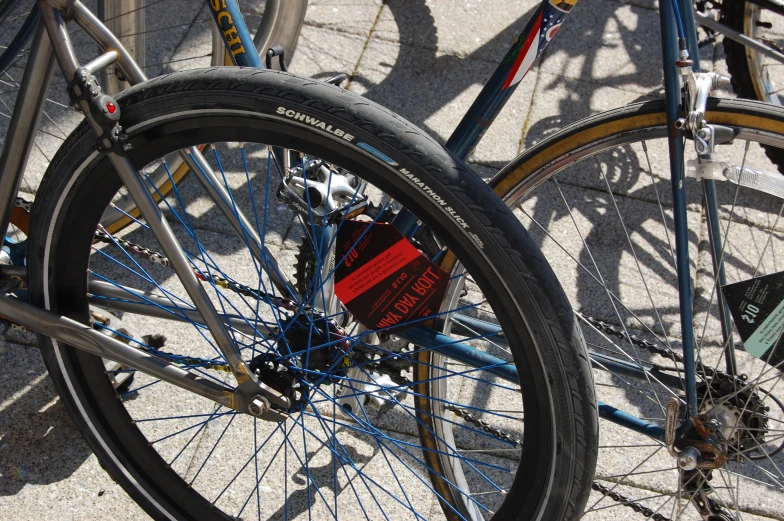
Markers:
{"x": 51, "y": 40}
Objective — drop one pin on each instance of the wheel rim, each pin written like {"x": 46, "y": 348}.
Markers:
{"x": 574, "y": 219}
{"x": 401, "y": 501}
{"x": 763, "y": 77}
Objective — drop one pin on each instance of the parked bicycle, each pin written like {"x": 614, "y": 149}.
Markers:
{"x": 267, "y": 342}
{"x": 379, "y": 330}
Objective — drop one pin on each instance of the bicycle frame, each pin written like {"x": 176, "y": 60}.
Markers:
{"x": 51, "y": 40}
{"x": 528, "y": 47}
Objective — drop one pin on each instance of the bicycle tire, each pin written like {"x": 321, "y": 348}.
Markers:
{"x": 600, "y": 227}
{"x": 280, "y": 24}
{"x": 558, "y": 448}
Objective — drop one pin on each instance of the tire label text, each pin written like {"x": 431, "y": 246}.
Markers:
{"x": 293, "y": 114}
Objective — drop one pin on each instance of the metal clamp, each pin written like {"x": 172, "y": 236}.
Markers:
{"x": 104, "y": 110}
{"x": 703, "y": 170}
{"x": 698, "y": 87}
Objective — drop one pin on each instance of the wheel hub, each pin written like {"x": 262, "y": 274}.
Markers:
{"x": 736, "y": 411}
{"x": 315, "y": 345}
{"x": 728, "y": 419}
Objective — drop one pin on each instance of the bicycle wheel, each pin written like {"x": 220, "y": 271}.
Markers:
{"x": 596, "y": 197}
{"x": 382, "y": 425}
{"x": 164, "y": 36}
{"x": 753, "y": 75}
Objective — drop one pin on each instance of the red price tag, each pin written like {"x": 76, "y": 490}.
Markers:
{"x": 384, "y": 280}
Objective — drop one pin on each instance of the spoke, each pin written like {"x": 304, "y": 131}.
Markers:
{"x": 768, "y": 242}
{"x": 212, "y": 450}
{"x": 631, "y": 246}
{"x": 596, "y": 279}
{"x": 720, "y": 266}
{"x": 619, "y": 482}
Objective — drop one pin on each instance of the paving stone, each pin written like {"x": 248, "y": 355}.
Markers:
{"x": 325, "y": 53}
{"x": 610, "y": 44}
{"x": 559, "y": 101}
{"x": 21, "y": 336}
{"x": 367, "y": 465}
{"x": 45, "y": 466}
{"x": 353, "y": 17}
{"x": 175, "y": 46}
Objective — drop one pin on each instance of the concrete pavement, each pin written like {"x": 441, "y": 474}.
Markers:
{"x": 424, "y": 59}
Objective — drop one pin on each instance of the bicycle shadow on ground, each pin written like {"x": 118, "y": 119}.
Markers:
{"x": 35, "y": 430}
{"x": 431, "y": 84}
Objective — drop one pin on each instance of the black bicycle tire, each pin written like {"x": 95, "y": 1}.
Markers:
{"x": 559, "y": 492}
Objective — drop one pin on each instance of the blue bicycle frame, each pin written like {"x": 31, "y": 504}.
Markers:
{"x": 527, "y": 48}
{"x": 236, "y": 36}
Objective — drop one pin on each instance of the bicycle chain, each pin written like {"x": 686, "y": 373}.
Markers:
{"x": 24, "y": 204}
{"x": 218, "y": 280}
{"x": 136, "y": 249}
{"x": 625, "y": 501}
{"x": 486, "y": 427}
{"x": 664, "y": 352}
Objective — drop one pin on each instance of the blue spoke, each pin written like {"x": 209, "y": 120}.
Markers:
{"x": 249, "y": 184}
{"x": 135, "y": 390}
{"x": 278, "y": 427}
{"x": 383, "y": 487}
{"x": 201, "y": 429}
{"x": 202, "y": 253}
{"x": 207, "y": 363}
{"x": 333, "y": 442}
